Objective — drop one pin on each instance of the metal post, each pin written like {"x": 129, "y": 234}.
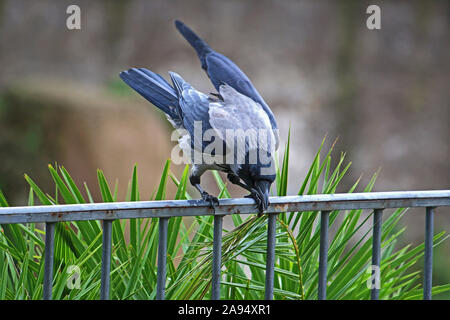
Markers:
{"x": 270, "y": 260}
{"x": 106, "y": 260}
{"x": 428, "y": 276}
{"x": 376, "y": 253}
{"x": 48, "y": 262}
{"x": 217, "y": 258}
{"x": 323, "y": 255}
{"x": 162, "y": 258}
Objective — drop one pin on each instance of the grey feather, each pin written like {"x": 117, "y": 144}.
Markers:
{"x": 245, "y": 118}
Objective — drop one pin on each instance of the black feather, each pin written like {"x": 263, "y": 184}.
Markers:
{"x": 200, "y": 46}
{"x": 221, "y": 70}
{"x": 154, "y": 88}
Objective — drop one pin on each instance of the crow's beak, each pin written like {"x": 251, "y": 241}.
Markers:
{"x": 263, "y": 186}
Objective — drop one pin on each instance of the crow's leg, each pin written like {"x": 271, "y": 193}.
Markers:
{"x": 195, "y": 181}
{"x": 194, "y": 178}
{"x": 234, "y": 179}
{"x": 259, "y": 201}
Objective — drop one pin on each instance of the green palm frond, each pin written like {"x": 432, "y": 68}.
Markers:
{"x": 189, "y": 248}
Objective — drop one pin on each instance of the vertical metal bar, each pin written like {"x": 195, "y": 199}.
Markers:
{"x": 217, "y": 258}
{"x": 48, "y": 262}
{"x": 323, "y": 255}
{"x": 270, "y": 260}
{"x": 428, "y": 276}
{"x": 162, "y": 258}
{"x": 376, "y": 253}
{"x": 106, "y": 260}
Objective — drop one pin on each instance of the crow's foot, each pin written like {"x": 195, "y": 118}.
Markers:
{"x": 259, "y": 201}
{"x": 210, "y": 199}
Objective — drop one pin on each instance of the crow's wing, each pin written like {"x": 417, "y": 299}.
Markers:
{"x": 154, "y": 88}
{"x": 240, "y": 124}
{"x": 222, "y": 70}
{"x": 194, "y": 107}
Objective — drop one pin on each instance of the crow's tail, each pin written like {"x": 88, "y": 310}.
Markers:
{"x": 198, "y": 44}
{"x": 154, "y": 88}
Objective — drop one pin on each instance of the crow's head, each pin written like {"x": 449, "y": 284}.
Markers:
{"x": 259, "y": 178}
{"x": 262, "y": 182}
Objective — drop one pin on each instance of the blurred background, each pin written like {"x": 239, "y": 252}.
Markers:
{"x": 383, "y": 93}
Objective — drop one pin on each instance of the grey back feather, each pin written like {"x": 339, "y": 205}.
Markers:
{"x": 232, "y": 118}
{"x": 239, "y": 117}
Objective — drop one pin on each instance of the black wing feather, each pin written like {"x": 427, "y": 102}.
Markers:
{"x": 221, "y": 70}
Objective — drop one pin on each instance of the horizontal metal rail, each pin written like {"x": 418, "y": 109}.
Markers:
{"x": 108, "y": 212}
{"x": 173, "y": 208}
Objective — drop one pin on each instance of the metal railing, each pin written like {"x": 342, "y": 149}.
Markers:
{"x": 164, "y": 210}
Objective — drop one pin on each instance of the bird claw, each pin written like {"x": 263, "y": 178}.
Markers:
{"x": 210, "y": 199}
{"x": 260, "y": 205}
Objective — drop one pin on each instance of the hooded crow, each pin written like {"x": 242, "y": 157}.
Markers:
{"x": 233, "y": 130}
